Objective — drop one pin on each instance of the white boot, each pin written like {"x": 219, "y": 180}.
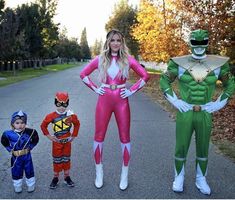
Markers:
{"x": 18, "y": 185}
{"x": 18, "y": 189}
{"x": 99, "y": 175}
{"x": 201, "y": 182}
{"x": 124, "y": 178}
{"x": 31, "y": 184}
{"x": 178, "y": 184}
{"x": 31, "y": 188}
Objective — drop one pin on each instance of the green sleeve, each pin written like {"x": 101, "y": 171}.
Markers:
{"x": 168, "y": 77}
{"x": 228, "y": 81}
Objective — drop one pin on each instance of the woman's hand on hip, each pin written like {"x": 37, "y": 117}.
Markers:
{"x": 125, "y": 93}
{"x": 100, "y": 90}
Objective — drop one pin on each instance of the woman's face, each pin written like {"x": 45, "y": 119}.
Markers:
{"x": 115, "y": 43}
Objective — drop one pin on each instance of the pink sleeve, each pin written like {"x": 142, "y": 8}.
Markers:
{"x": 88, "y": 69}
{"x": 137, "y": 68}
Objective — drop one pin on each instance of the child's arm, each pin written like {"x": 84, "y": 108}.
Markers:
{"x": 48, "y": 119}
{"x": 76, "y": 126}
{"x": 5, "y": 142}
{"x": 34, "y": 139}
{"x": 45, "y": 124}
{"x": 52, "y": 138}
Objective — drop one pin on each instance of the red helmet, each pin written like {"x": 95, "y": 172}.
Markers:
{"x": 62, "y": 99}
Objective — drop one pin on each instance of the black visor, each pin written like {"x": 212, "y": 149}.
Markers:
{"x": 197, "y": 43}
{"x": 63, "y": 104}
{"x": 20, "y": 117}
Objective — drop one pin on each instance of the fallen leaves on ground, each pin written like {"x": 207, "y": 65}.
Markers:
{"x": 224, "y": 122}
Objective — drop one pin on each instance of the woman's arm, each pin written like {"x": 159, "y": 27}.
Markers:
{"x": 137, "y": 68}
{"x": 144, "y": 77}
{"x": 84, "y": 75}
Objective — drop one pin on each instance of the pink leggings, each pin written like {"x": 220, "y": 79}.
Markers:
{"x": 108, "y": 103}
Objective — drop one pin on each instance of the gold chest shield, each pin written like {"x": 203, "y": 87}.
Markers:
{"x": 199, "y": 69}
{"x": 63, "y": 124}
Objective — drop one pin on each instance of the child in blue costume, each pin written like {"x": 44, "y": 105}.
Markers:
{"x": 20, "y": 141}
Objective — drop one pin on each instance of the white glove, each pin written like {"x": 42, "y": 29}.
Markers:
{"x": 214, "y": 106}
{"x": 181, "y": 105}
{"x": 125, "y": 93}
{"x": 99, "y": 90}
{"x": 70, "y": 139}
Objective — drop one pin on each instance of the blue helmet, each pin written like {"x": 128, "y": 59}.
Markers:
{"x": 19, "y": 115}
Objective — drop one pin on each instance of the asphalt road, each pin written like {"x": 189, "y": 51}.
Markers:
{"x": 152, "y": 135}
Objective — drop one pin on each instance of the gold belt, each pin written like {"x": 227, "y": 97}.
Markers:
{"x": 20, "y": 152}
{"x": 197, "y": 108}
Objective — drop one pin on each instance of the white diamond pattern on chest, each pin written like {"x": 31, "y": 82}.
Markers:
{"x": 113, "y": 69}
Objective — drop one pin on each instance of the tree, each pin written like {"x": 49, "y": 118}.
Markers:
{"x": 123, "y": 17}
{"x": 96, "y": 48}
{"x": 36, "y": 21}
{"x": 11, "y": 39}
{"x": 218, "y": 17}
{"x": 86, "y": 54}
{"x": 50, "y": 30}
{"x": 163, "y": 27}
{"x": 67, "y": 48}
{"x": 159, "y": 31}
{"x": 30, "y": 24}
{"x": 2, "y": 5}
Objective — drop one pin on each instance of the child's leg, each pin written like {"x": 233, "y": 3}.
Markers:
{"x": 56, "y": 174}
{"x": 29, "y": 173}
{"x": 66, "y": 158}
{"x": 67, "y": 164}
{"x": 57, "y": 153}
{"x": 57, "y": 163}
{"x": 17, "y": 173}
{"x": 66, "y": 173}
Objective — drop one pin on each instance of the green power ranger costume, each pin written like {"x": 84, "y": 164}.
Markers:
{"x": 197, "y": 75}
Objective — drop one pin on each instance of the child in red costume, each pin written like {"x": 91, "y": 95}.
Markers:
{"x": 62, "y": 121}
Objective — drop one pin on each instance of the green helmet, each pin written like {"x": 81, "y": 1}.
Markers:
{"x": 198, "y": 42}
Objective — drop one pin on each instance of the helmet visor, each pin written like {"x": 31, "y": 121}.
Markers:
{"x": 199, "y": 43}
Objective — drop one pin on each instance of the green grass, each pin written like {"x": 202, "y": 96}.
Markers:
{"x": 31, "y": 73}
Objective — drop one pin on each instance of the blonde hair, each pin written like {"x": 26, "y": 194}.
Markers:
{"x": 105, "y": 56}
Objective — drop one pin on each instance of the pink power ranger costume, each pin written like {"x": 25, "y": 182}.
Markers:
{"x": 113, "y": 99}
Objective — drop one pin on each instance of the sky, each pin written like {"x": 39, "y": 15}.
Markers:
{"x": 75, "y": 15}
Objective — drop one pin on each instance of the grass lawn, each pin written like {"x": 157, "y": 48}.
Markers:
{"x": 8, "y": 77}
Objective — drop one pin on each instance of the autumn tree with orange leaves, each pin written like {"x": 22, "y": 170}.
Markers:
{"x": 216, "y": 16}
{"x": 159, "y": 31}
{"x": 163, "y": 26}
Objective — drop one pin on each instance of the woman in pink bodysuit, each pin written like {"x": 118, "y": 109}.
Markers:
{"x": 113, "y": 65}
